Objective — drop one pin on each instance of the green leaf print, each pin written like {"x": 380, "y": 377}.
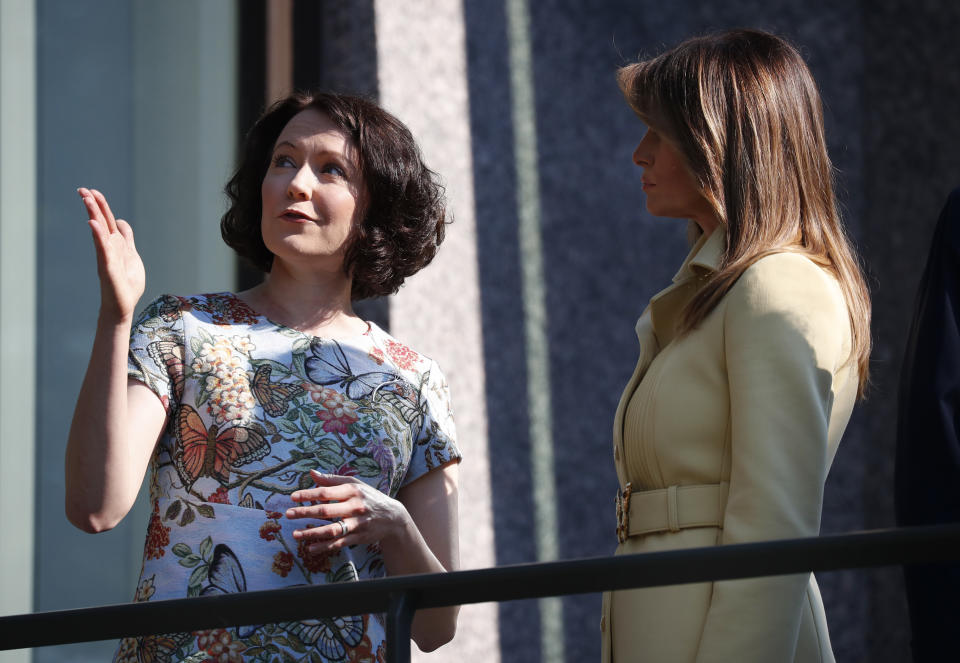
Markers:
{"x": 181, "y": 549}
{"x": 296, "y": 644}
{"x": 198, "y": 576}
{"x": 299, "y": 360}
{"x": 172, "y": 511}
{"x": 330, "y": 459}
{"x": 288, "y": 427}
{"x": 206, "y": 547}
{"x": 190, "y": 561}
{"x": 188, "y": 517}
{"x": 206, "y": 511}
{"x": 304, "y": 422}
{"x": 366, "y": 467}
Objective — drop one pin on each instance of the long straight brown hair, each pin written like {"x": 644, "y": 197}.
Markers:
{"x": 744, "y": 111}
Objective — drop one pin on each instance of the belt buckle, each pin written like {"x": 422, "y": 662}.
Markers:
{"x": 623, "y": 513}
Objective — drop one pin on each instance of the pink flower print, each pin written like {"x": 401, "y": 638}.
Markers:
{"x": 268, "y": 530}
{"x": 337, "y": 412}
{"x": 377, "y": 355}
{"x": 220, "y": 496}
{"x": 315, "y": 562}
{"x": 158, "y": 536}
{"x": 282, "y": 563}
{"x": 219, "y": 646}
{"x": 402, "y": 356}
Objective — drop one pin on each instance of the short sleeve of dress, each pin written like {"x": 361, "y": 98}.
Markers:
{"x": 157, "y": 349}
{"x": 436, "y": 443}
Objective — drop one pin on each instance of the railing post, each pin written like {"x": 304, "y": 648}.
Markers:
{"x": 399, "y": 617}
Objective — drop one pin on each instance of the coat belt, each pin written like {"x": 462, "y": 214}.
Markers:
{"x": 669, "y": 509}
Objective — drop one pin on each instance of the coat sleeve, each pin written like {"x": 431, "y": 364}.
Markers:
{"x": 786, "y": 332}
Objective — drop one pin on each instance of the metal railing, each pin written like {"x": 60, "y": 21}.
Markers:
{"x": 401, "y": 596}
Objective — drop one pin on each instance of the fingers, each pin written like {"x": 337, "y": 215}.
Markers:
{"x": 105, "y": 210}
{"x": 341, "y": 492}
{"x": 127, "y": 232}
{"x": 329, "y": 511}
{"x": 331, "y": 479}
{"x": 332, "y": 537}
{"x": 98, "y": 208}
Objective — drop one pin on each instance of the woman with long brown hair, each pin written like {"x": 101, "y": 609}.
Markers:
{"x": 750, "y": 362}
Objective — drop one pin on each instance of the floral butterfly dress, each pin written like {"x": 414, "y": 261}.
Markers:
{"x": 252, "y": 407}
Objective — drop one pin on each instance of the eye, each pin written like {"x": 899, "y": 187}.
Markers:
{"x": 283, "y": 161}
{"x": 334, "y": 169}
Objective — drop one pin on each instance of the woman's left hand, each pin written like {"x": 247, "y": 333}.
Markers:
{"x": 367, "y": 515}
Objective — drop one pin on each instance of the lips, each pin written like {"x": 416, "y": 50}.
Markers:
{"x": 296, "y": 216}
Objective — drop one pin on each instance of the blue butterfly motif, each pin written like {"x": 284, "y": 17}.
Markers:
{"x": 322, "y": 370}
{"x": 331, "y": 635}
{"x": 225, "y": 576}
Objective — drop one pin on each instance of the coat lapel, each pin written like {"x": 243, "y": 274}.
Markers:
{"x": 657, "y": 326}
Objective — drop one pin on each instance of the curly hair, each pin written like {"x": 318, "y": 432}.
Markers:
{"x": 405, "y": 212}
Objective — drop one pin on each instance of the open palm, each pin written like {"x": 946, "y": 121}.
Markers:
{"x": 122, "y": 276}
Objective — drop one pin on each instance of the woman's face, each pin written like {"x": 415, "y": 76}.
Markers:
{"x": 671, "y": 188}
{"x": 312, "y": 193}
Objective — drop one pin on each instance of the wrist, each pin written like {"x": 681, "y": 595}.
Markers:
{"x": 112, "y": 318}
{"x": 403, "y": 528}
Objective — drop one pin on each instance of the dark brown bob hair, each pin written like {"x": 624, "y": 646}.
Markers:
{"x": 405, "y": 210}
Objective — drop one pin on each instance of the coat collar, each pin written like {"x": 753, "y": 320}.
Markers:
{"x": 704, "y": 257}
{"x": 667, "y": 305}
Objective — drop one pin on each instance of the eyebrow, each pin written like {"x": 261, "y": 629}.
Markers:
{"x": 294, "y": 146}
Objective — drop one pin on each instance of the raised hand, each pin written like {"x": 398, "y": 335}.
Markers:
{"x": 121, "y": 272}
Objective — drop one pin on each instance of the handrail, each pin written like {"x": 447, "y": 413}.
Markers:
{"x": 400, "y": 596}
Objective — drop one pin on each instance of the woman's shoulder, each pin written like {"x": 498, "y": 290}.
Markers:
{"x": 218, "y": 308}
{"x": 389, "y": 349}
{"x": 789, "y": 279}
{"x": 788, "y": 290}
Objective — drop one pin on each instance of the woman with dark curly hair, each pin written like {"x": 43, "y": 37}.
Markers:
{"x": 289, "y": 442}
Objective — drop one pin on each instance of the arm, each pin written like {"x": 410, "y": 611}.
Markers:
{"x": 784, "y": 330}
{"x": 417, "y": 532}
{"x": 116, "y": 422}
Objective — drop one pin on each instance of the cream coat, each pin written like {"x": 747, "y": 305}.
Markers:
{"x": 753, "y": 400}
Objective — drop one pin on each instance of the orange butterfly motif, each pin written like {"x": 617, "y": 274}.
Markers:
{"x": 275, "y": 397}
{"x": 169, "y": 354}
{"x": 201, "y": 452}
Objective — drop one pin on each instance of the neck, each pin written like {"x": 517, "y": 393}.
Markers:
{"x": 313, "y": 303}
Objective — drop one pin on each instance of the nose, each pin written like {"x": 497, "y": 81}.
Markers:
{"x": 301, "y": 184}
{"x": 641, "y": 157}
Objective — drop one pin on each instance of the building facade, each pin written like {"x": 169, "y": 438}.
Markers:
{"x": 531, "y": 302}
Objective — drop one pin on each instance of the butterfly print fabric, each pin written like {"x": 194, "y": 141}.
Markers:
{"x": 252, "y": 407}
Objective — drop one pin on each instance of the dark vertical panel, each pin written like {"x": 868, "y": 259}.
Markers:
{"x": 251, "y": 86}
{"x": 911, "y": 162}
{"x": 308, "y": 43}
{"x": 501, "y": 305}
